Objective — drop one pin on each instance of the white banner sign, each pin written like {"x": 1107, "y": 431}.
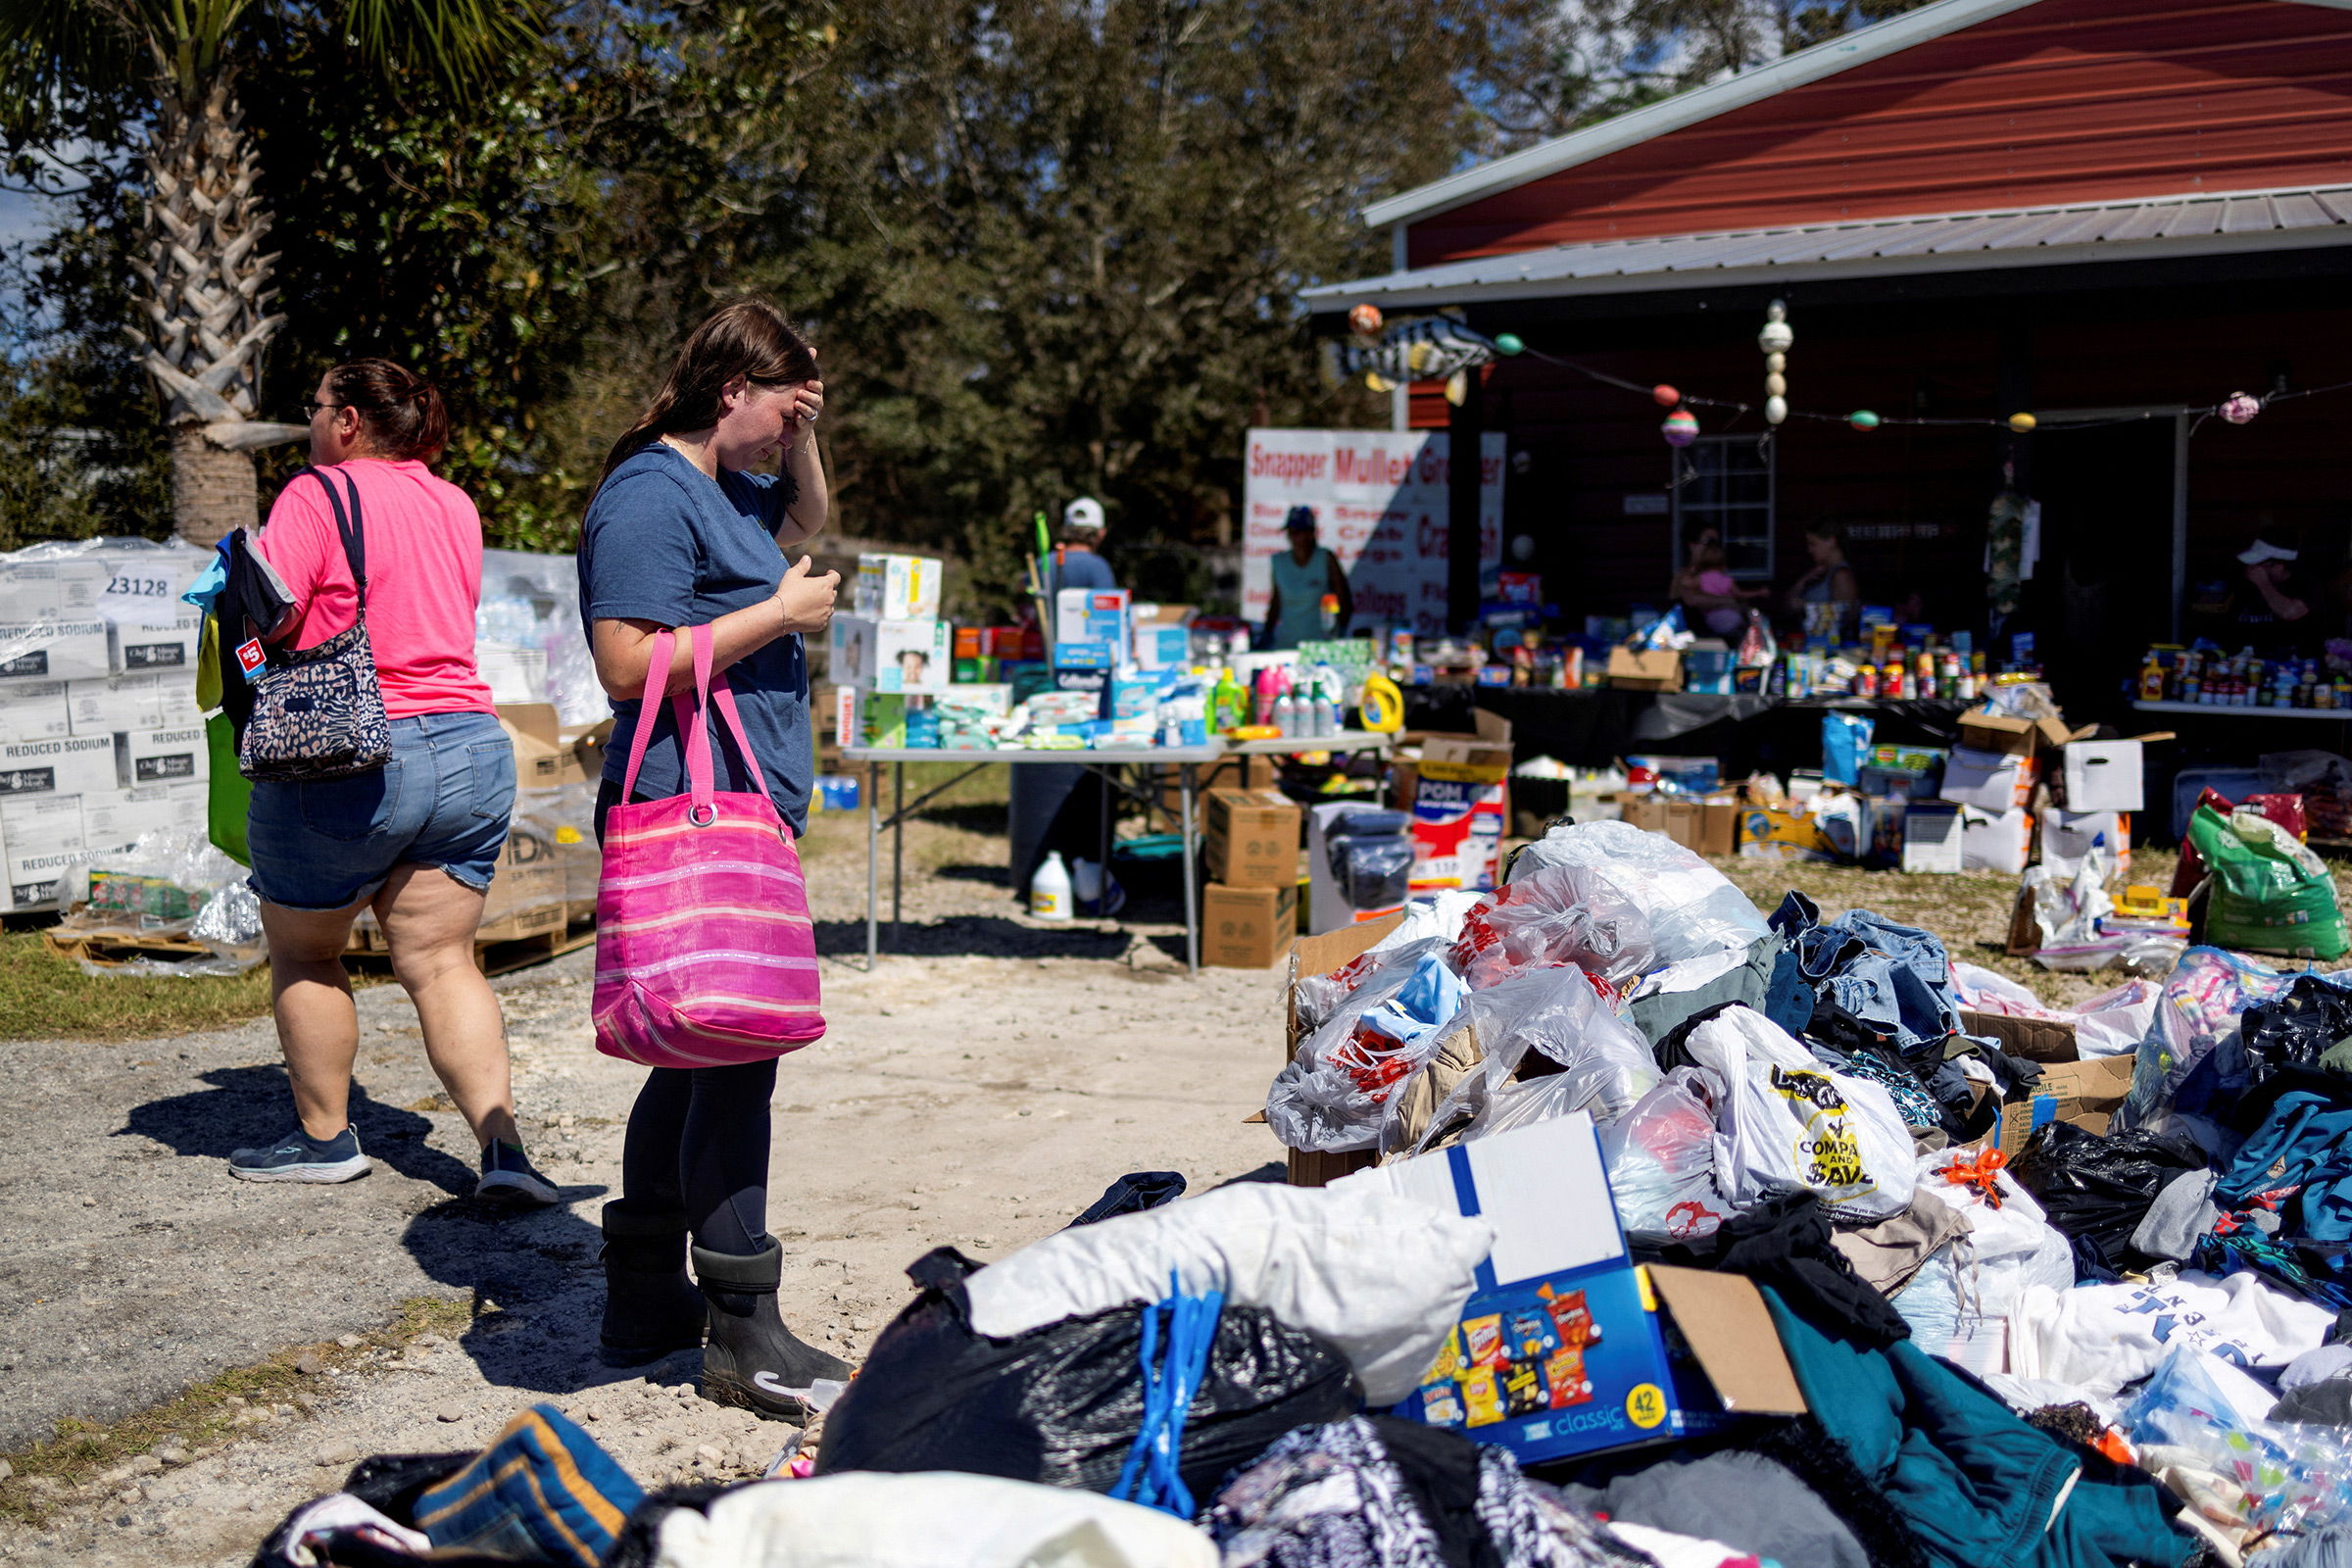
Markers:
{"x": 1380, "y": 503}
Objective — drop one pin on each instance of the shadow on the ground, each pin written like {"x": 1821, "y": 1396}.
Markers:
{"x": 972, "y": 935}
{"x": 512, "y": 1264}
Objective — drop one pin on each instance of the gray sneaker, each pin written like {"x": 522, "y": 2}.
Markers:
{"x": 508, "y": 1178}
{"x": 297, "y": 1157}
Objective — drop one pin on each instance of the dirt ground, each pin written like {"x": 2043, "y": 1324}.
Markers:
{"x": 194, "y": 1355}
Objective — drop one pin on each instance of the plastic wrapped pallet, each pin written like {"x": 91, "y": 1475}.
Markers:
{"x": 530, "y": 614}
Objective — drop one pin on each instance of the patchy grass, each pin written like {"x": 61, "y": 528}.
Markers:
{"x": 204, "y": 1416}
{"x": 52, "y": 997}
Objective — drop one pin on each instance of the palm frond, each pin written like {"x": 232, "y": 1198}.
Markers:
{"x": 464, "y": 41}
{"x": 51, "y": 49}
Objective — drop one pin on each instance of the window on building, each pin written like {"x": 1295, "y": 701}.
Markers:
{"x": 1725, "y": 483}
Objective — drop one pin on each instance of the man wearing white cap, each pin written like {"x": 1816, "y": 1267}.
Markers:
{"x": 1076, "y": 563}
{"x": 2282, "y": 611}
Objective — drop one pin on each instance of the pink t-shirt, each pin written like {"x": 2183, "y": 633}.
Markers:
{"x": 424, "y": 576}
{"x": 1716, "y": 582}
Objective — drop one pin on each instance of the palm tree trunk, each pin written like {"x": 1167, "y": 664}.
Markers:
{"x": 212, "y": 491}
{"x": 204, "y": 299}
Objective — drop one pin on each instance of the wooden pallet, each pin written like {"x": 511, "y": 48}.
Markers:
{"x": 112, "y": 949}
{"x": 495, "y": 952}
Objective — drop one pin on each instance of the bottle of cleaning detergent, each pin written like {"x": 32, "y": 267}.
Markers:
{"x": 1050, "y": 891}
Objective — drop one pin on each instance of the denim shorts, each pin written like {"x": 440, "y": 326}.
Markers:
{"x": 442, "y": 800}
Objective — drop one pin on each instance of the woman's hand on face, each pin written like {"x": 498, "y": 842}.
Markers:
{"x": 807, "y": 601}
{"x": 808, "y": 402}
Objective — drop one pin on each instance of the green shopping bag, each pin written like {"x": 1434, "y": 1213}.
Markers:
{"x": 2270, "y": 892}
{"x": 231, "y": 791}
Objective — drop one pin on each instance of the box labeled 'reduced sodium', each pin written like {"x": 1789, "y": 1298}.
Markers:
{"x": 72, "y": 765}
{"x": 161, "y": 756}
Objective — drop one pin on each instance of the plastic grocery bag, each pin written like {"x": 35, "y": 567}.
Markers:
{"x": 1061, "y": 1403}
{"x": 1319, "y": 996}
{"x": 1376, "y": 1275}
{"x": 2276, "y": 1476}
{"x": 1328, "y": 1096}
{"x": 1557, "y": 914}
{"x": 1844, "y": 746}
{"x": 1661, "y": 1162}
{"x": 1692, "y": 907}
{"x": 2196, "y": 1016}
{"x": 1604, "y": 1065}
{"x": 1788, "y": 1123}
{"x": 2008, "y": 1249}
{"x": 2270, "y": 892}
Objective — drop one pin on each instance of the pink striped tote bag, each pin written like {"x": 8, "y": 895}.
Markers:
{"x": 704, "y": 952}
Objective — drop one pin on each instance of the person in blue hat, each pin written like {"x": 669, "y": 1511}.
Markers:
{"x": 1302, "y": 575}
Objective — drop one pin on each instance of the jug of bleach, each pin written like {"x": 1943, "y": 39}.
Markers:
{"x": 1050, "y": 889}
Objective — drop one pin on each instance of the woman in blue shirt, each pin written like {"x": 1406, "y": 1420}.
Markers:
{"x": 682, "y": 533}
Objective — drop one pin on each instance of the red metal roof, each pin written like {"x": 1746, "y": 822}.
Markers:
{"x": 2063, "y": 101}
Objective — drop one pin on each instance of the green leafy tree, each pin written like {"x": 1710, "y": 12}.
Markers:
{"x": 203, "y": 296}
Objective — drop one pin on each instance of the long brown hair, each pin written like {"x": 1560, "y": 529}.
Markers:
{"x": 746, "y": 337}
{"x": 398, "y": 409}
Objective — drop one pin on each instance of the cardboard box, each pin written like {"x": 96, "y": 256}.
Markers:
{"x": 1564, "y": 1347}
{"x": 1990, "y": 841}
{"x": 1703, "y": 825}
{"x": 2034, "y": 1039}
{"x": 1162, "y": 638}
{"x": 1321, "y": 955}
{"x": 2010, "y": 737}
{"x": 47, "y": 591}
{"x": 122, "y": 703}
{"x": 1655, "y": 670}
{"x": 1253, "y": 838}
{"x": 54, "y": 650}
{"x": 113, "y": 820}
{"x": 1932, "y": 839}
{"x": 1769, "y": 833}
{"x": 514, "y": 674}
{"x": 557, "y": 827}
{"x": 35, "y": 710}
{"x": 2103, "y": 776}
{"x": 159, "y": 642}
{"x": 893, "y": 656}
{"x": 897, "y": 587}
{"x": 163, "y": 756}
{"x": 1989, "y": 781}
{"x": 1091, "y": 615}
{"x": 2071, "y": 834}
{"x": 42, "y": 844}
{"x": 529, "y": 892}
{"x": 1247, "y": 929}
{"x": 2085, "y": 1093}
{"x": 77, "y": 765}
{"x": 1460, "y": 802}
{"x": 542, "y": 757}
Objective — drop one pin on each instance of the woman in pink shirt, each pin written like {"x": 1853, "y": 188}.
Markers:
{"x": 418, "y": 840}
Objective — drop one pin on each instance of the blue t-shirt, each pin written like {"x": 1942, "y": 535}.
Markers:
{"x": 1082, "y": 569}
{"x": 663, "y": 543}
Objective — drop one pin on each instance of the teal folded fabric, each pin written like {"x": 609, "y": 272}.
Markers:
{"x": 1975, "y": 1484}
{"x": 542, "y": 1492}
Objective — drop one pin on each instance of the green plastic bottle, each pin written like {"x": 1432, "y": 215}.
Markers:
{"x": 1228, "y": 703}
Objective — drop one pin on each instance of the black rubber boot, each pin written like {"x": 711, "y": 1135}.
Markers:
{"x": 753, "y": 1361}
{"x": 651, "y": 1307}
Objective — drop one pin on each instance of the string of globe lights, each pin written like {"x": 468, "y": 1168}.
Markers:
{"x": 1439, "y": 348}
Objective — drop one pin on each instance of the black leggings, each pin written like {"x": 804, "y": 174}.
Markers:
{"x": 697, "y": 1142}
{"x": 698, "y": 1137}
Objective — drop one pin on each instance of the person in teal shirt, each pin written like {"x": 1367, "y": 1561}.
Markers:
{"x": 1302, "y": 575}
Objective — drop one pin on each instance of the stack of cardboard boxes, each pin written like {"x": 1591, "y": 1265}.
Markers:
{"x": 1249, "y": 906}
{"x": 100, "y": 739}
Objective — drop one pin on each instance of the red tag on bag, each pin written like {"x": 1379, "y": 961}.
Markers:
{"x": 249, "y": 656}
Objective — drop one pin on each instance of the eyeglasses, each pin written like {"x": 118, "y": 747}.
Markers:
{"x": 312, "y": 409}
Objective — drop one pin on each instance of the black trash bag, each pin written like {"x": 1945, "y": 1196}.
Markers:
{"x": 2282, "y": 1041}
{"x": 1061, "y": 1404}
{"x": 1132, "y": 1194}
{"x": 2098, "y": 1189}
